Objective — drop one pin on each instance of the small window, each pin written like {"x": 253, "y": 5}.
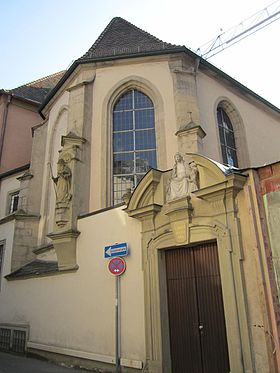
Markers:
{"x": 134, "y": 141}
{"x": 13, "y": 202}
{"x": 227, "y": 139}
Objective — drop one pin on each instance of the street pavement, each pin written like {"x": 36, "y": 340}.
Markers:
{"x": 10, "y": 363}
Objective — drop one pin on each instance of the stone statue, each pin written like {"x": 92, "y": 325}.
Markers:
{"x": 194, "y": 177}
{"x": 62, "y": 183}
{"x": 179, "y": 183}
{"x": 184, "y": 179}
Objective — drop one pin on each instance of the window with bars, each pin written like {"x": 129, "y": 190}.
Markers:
{"x": 227, "y": 139}
{"x": 19, "y": 341}
{"x": 5, "y": 339}
{"x": 13, "y": 339}
{"x": 134, "y": 141}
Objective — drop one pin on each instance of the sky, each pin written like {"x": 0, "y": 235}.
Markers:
{"x": 39, "y": 38}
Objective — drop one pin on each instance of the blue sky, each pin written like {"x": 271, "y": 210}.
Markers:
{"x": 38, "y": 38}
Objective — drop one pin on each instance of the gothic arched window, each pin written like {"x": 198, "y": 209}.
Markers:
{"x": 227, "y": 139}
{"x": 134, "y": 141}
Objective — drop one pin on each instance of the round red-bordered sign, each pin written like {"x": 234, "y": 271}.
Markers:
{"x": 116, "y": 266}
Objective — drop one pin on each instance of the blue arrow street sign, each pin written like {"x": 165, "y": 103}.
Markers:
{"x": 119, "y": 249}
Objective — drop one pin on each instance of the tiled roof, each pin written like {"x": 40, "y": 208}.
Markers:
{"x": 118, "y": 40}
{"x": 37, "y": 90}
{"x": 121, "y": 37}
{"x": 35, "y": 268}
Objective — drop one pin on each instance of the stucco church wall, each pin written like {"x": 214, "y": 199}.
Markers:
{"x": 75, "y": 311}
{"x": 260, "y": 126}
{"x": 156, "y": 77}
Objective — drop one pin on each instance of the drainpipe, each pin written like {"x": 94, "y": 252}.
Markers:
{"x": 4, "y": 125}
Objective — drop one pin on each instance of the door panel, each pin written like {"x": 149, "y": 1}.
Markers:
{"x": 211, "y": 311}
{"x": 196, "y": 315}
{"x": 182, "y": 302}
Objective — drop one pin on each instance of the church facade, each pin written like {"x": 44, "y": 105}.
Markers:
{"x": 143, "y": 142}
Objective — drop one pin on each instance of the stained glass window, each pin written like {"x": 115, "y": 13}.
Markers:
{"x": 227, "y": 140}
{"x": 134, "y": 141}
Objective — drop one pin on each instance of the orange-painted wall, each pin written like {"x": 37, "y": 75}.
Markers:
{"x": 17, "y": 144}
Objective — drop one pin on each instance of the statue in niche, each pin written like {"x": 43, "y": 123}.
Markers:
{"x": 184, "y": 179}
{"x": 62, "y": 183}
{"x": 193, "y": 177}
{"x": 179, "y": 183}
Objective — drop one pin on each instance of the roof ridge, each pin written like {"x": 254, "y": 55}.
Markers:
{"x": 101, "y": 36}
{"x": 42, "y": 79}
{"x": 29, "y": 84}
{"x": 139, "y": 29}
{"x": 37, "y": 90}
{"x": 98, "y": 44}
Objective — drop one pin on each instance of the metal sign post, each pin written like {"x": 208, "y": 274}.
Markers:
{"x": 116, "y": 267}
{"x": 118, "y": 365}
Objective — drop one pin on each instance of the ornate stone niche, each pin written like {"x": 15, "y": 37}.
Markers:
{"x": 67, "y": 192}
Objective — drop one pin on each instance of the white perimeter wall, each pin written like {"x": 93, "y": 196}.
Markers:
{"x": 76, "y": 310}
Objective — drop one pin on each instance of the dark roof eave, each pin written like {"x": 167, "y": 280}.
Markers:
{"x": 153, "y": 53}
{"x": 29, "y": 101}
{"x": 15, "y": 171}
{"x": 100, "y": 59}
{"x": 20, "y": 98}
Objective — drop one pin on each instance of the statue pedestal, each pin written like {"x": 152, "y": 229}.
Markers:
{"x": 190, "y": 138}
{"x": 65, "y": 247}
{"x": 61, "y": 216}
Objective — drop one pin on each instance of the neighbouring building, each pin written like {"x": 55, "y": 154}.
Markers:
{"x": 145, "y": 143}
{"x": 18, "y": 114}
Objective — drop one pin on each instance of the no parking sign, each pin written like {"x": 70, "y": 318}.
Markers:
{"x": 116, "y": 266}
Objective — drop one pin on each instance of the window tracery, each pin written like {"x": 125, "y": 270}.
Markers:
{"x": 227, "y": 138}
{"x": 134, "y": 141}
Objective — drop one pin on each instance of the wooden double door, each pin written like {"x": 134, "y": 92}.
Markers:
{"x": 196, "y": 315}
